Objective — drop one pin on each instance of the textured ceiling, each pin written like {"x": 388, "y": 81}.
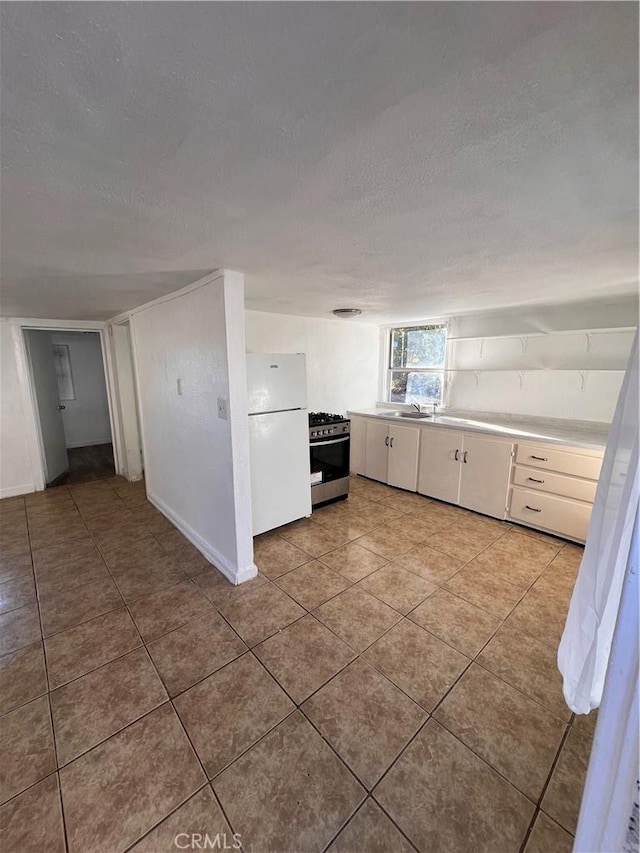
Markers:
{"x": 412, "y": 159}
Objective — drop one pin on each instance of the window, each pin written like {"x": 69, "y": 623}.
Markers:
{"x": 416, "y": 365}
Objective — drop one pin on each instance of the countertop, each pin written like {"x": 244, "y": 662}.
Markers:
{"x": 584, "y": 434}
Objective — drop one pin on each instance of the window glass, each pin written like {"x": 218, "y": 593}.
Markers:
{"x": 416, "y": 365}
{"x": 422, "y": 346}
{"x": 420, "y": 388}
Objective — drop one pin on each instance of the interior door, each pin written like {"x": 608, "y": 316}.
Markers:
{"x": 45, "y": 386}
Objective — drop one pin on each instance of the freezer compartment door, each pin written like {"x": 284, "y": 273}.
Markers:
{"x": 276, "y": 382}
{"x": 280, "y": 476}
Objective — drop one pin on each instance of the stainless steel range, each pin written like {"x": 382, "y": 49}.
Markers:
{"x": 329, "y": 440}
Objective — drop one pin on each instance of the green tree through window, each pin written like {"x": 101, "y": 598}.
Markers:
{"x": 416, "y": 364}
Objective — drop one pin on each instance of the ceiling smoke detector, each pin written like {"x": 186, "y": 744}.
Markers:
{"x": 346, "y": 313}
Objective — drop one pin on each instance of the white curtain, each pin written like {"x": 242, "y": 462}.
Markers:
{"x": 584, "y": 650}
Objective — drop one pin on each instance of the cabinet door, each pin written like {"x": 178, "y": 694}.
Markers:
{"x": 485, "y": 472}
{"x": 376, "y": 451}
{"x": 439, "y": 473}
{"x": 403, "y": 457}
{"x": 357, "y": 446}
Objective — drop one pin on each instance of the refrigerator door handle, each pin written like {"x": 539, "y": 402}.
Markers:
{"x": 277, "y": 411}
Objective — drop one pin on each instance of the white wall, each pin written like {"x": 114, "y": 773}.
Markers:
{"x": 342, "y": 356}
{"x": 16, "y": 472}
{"x": 197, "y": 464}
{"x": 85, "y": 419}
{"x": 556, "y": 362}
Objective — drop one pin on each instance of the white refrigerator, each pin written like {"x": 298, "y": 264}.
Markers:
{"x": 279, "y": 439}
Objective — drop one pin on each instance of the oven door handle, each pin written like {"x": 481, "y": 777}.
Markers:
{"x": 330, "y": 441}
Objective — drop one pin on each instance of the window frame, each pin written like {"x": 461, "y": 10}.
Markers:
{"x": 389, "y": 370}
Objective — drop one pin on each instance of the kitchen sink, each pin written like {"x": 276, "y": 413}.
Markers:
{"x": 418, "y": 416}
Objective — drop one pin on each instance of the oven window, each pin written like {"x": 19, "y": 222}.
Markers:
{"x": 329, "y": 460}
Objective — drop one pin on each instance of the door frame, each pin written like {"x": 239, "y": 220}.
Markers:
{"x": 121, "y": 409}
{"x": 27, "y": 390}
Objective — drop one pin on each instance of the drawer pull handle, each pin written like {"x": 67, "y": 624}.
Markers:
{"x": 391, "y": 443}
{"x": 532, "y": 508}
{"x": 456, "y": 455}
{"x": 540, "y": 458}
{"x": 464, "y": 456}
{"x": 533, "y": 480}
{"x": 386, "y": 441}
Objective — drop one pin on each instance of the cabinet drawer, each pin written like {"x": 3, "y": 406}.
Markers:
{"x": 562, "y": 461}
{"x": 558, "y": 515}
{"x": 558, "y": 484}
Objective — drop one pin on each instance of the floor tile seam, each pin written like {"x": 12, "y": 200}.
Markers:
{"x": 377, "y": 596}
{"x": 554, "y": 764}
{"x": 499, "y": 772}
{"x": 28, "y": 788}
{"x": 495, "y": 615}
{"x": 360, "y": 652}
{"x": 113, "y": 734}
{"x": 215, "y": 671}
{"x": 532, "y": 824}
{"x": 431, "y": 716}
{"x": 166, "y": 589}
{"x": 392, "y": 684}
{"x": 315, "y": 606}
{"x": 45, "y": 692}
{"x": 340, "y": 759}
{"x": 168, "y": 701}
{"x": 538, "y": 807}
{"x": 31, "y": 601}
{"x": 148, "y": 832}
{"x": 385, "y": 813}
{"x": 47, "y": 680}
{"x": 210, "y": 780}
{"x": 550, "y": 645}
{"x": 83, "y": 621}
{"x": 515, "y": 687}
{"x": 79, "y": 586}
{"x": 446, "y": 642}
{"x": 397, "y": 686}
{"x": 298, "y": 704}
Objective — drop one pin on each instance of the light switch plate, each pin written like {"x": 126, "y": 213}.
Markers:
{"x": 222, "y": 408}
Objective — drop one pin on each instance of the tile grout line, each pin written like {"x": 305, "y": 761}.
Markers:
{"x": 51, "y": 722}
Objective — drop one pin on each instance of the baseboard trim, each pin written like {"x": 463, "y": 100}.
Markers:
{"x": 224, "y": 566}
{"x": 92, "y": 443}
{"x": 17, "y": 491}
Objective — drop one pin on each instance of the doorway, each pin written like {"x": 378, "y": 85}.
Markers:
{"x": 71, "y": 404}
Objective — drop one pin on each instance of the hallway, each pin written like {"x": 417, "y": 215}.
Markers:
{"x": 94, "y": 462}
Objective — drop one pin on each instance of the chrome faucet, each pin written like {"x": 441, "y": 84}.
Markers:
{"x": 416, "y": 407}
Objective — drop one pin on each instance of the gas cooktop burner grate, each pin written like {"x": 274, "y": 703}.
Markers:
{"x": 320, "y": 418}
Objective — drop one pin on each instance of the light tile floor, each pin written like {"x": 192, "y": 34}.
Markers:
{"x": 387, "y": 683}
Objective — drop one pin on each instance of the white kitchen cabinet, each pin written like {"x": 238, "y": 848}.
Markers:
{"x": 376, "y": 461}
{"x": 464, "y": 469}
{"x": 553, "y": 488}
{"x": 404, "y": 443}
{"x": 439, "y": 472}
{"x": 357, "y": 445}
{"x": 391, "y": 454}
{"x": 484, "y": 474}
